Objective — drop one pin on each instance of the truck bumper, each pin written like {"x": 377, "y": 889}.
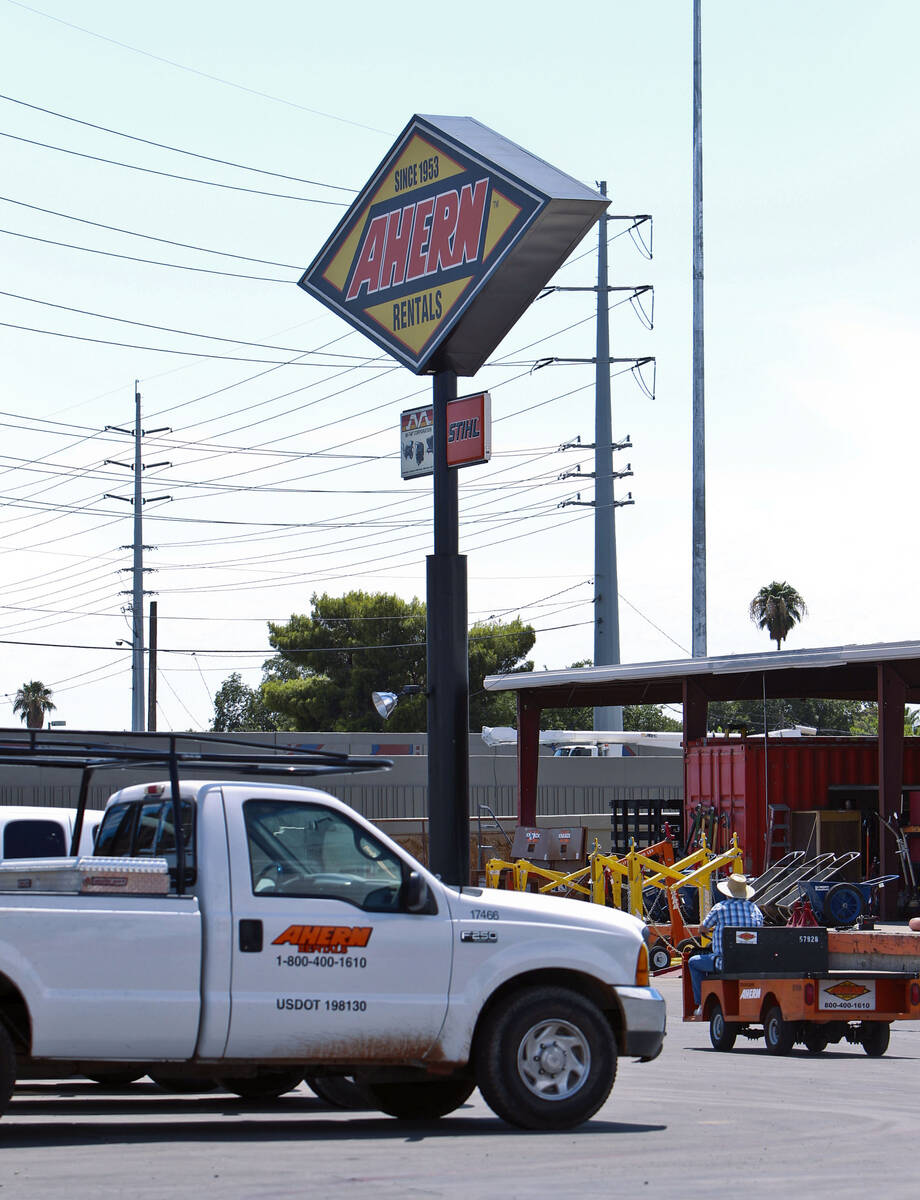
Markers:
{"x": 644, "y": 1022}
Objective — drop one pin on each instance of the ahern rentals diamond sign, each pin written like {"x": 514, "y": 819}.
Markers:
{"x": 449, "y": 243}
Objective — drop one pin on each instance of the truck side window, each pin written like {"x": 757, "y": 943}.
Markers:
{"x": 114, "y": 836}
{"x": 298, "y": 849}
{"x": 33, "y": 839}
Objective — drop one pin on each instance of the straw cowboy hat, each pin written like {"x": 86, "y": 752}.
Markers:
{"x": 736, "y": 887}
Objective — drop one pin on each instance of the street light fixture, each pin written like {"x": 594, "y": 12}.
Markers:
{"x": 385, "y": 702}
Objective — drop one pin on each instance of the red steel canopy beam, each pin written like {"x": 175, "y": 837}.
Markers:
{"x": 528, "y": 757}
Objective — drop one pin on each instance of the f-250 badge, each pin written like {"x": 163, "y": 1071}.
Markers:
{"x": 324, "y": 939}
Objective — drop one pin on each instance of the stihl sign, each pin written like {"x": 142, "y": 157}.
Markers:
{"x": 469, "y": 435}
{"x": 413, "y": 261}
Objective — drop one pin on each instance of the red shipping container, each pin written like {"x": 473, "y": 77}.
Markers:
{"x": 729, "y": 778}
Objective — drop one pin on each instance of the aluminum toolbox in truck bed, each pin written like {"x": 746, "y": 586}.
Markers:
{"x": 86, "y": 876}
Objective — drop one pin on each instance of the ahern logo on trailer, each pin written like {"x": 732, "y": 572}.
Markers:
{"x": 414, "y": 255}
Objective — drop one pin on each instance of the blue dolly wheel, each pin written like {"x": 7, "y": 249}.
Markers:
{"x": 843, "y": 905}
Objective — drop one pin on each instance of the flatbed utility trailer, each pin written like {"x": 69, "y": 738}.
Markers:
{"x": 810, "y": 986}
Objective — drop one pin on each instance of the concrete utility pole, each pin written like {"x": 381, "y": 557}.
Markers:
{"x": 137, "y": 596}
{"x": 137, "y": 590}
{"x": 698, "y": 642}
{"x": 606, "y": 597}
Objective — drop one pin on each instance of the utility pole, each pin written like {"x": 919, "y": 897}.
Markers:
{"x": 137, "y": 599}
{"x": 606, "y": 596}
{"x": 152, "y": 673}
{"x": 698, "y": 603}
{"x": 137, "y": 570}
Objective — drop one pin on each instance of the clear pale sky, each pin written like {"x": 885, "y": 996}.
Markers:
{"x": 285, "y": 479}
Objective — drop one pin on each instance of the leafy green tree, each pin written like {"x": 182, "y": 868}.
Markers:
{"x": 642, "y": 717}
{"x": 32, "y": 701}
{"x": 867, "y": 722}
{"x": 827, "y": 716}
{"x": 238, "y": 708}
{"x": 330, "y": 661}
{"x": 777, "y": 608}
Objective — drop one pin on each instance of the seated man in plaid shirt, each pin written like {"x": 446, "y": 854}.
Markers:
{"x": 737, "y": 910}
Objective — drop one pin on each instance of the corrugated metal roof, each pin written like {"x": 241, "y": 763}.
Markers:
{"x": 832, "y": 658}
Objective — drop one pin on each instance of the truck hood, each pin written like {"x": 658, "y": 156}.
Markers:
{"x": 467, "y": 904}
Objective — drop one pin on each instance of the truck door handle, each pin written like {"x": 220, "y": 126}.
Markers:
{"x": 250, "y": 936}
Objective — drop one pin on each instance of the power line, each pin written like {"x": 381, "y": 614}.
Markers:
{"x": 175, "y": 149}
{"x": 316, "y": 112}
{"x": 114, "y": 162}
{"x": 150, "y": 262}
{"x": 51, "y": 212}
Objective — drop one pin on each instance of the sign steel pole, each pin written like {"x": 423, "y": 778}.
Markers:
{"x": 448, "y": 664}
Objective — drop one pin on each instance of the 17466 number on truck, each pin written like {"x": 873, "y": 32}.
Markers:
{"x": 284, "y": 935}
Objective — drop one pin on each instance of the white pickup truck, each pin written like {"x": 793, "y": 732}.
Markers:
{"x": 303, "y": 940}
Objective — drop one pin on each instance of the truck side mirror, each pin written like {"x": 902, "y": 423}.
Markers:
{"x": 416, "y": 893}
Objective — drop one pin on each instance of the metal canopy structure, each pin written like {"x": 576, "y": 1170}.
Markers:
{"x": 888, "y": 672}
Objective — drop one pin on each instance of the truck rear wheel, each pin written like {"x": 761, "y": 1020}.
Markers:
{"x": 340, "y": 1091}
{"x": 778, "y": 1034}
{"x": 546, "y": 1058}
{"x": 7, "y": 1068}
{"x": 875, "y": 1036}
{"x": 426, "y": 1100}
{"x": 268, "y": 1084}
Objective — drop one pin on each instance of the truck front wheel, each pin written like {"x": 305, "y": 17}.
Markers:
{"x": 426, "y": 1100}
{"x": 546, "y": 1059}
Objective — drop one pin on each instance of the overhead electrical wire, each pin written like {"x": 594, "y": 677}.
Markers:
{"x": 316, "y": 112}
{"x": 131, "y": 137}
{"x": 149, "y": 237}
{"x": 114, "y": 162}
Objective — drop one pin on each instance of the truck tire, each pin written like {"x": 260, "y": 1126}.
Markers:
{"x": 339, "y": 1091}
{"x": 545, "y": 1058}
{"x": 269, "y": 1084}
{"x": 778, "y": 1034}
{"x": 7, "y": 1068}
{"x": 722, "y": 1033}
{"x": 875, "y": 1036}
{"x": 423, "y": 1101}
{"x": 815, "y": 1038}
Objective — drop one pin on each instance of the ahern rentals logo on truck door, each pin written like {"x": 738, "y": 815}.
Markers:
{"x": 419, "y": 242}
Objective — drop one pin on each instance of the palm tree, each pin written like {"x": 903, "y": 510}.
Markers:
{"x": 777, "y": 608}
{"x": 32, "y": 701}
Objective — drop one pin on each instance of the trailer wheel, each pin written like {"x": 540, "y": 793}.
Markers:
{"x": 7, "y": 1068}
{"x": 778, "y": 1034}
{"x": 659, "y": 958}
{"x": 722, "y": 1033}
{"x": 875, "y": 1036}
{"x": 815, "y": 1038}
{"x": 545, "y": 1058}
{"x": 423, "y": 1101}
{"x": 268, "y": 1084}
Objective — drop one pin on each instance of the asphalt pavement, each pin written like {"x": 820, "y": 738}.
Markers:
{"x": 693, "y": 1123}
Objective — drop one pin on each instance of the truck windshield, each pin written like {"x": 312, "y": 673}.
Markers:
{"x": 298, "y": 849}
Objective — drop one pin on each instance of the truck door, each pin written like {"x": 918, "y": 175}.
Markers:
{"x": 328, "y": 964}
